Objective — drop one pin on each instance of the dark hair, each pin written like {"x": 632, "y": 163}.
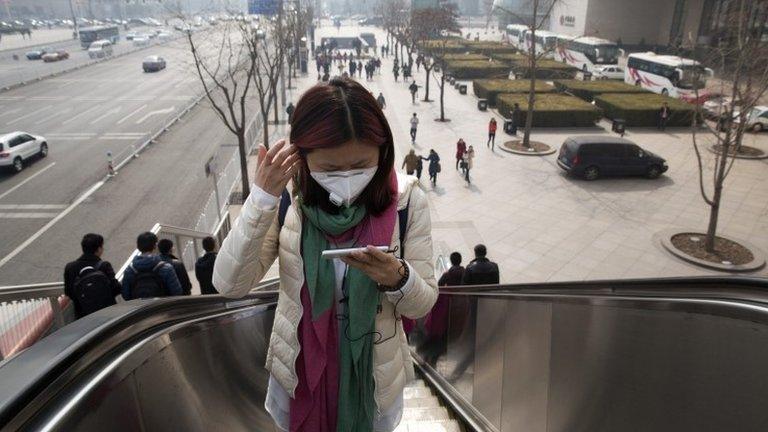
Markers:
{"x": 331, "y": 114}
{"x": 480, "y": 251}
{"x": 455, "y": 258}
{"x": 91, "y": 243}
{"x": 209, "y": 244}
{"x": 165, "y": 246}
{"x": 146, "y": 242}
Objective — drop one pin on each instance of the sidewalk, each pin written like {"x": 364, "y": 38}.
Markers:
{"x": 39, "y": 37}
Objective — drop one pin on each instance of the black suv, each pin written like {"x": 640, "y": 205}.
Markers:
{"x": 591, "y": 157}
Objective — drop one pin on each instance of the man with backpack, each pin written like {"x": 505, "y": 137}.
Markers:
{"x": 204, "y": 267}
{"x": 165, "y": 247}
{"x": 148, "y": 276}
{"x": 88, "y": 281}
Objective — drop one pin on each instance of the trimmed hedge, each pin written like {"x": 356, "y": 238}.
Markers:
{"x": 642, "y": 109}
{"x": 491, "y": 88}
{"x": 464, "y": 57}
{"x": 477, "y": 69}
{"x": 488, "y": 48}
{"x": 509, "y": 58}
{"x": 451, "y": 46}
{"x": 551, "y": 110}
{"x": 587, "y": 90}
{"x": 545, "y": 69}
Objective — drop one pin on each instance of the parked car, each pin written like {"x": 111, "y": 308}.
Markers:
{"x": 55, "y": 56}
{"x": 607, "y": 72}
{"x": 38, "y": 53}
{"x": 153, "y": 64}
{"x": 130, "y": 36}
{"x": 164, "y": 36}
{"x": 100, "y": 49}
{"x": 757, "y": 118}
{"x": 140, "y": 41}
{"x": 592, "y": 157}
{"x": 717, "y": 105}
{"x": 18, "y": 147}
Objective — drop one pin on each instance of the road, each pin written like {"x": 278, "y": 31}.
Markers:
{"x": 111, "y": 106}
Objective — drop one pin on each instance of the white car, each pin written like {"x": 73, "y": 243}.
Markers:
{"x": 164, "y": 36}
{"x": 140, "y": 41}
{"x": 100, "y": 49}
{"x": 608, "y": 72}
{"x": 17, "y": 147}
{"x": 757, "y": 119}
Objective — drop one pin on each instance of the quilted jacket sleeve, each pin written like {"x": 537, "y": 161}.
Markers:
{"x": 419, "y": 299}
{"x": 248, "y": 251}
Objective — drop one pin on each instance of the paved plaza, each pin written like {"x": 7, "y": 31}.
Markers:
{"x": 541, "y": 225}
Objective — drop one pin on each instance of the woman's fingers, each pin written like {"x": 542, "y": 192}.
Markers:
{"x": 274, "y": 151}
{"x": 286, "y": 152}
{"x": 261, "y": 155}
{"x": 378, "y": 255}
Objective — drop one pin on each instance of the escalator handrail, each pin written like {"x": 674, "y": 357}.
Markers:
{"x": 79, "y": 344}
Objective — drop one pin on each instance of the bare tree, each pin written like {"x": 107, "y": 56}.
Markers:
{"x": 428, "y": 25}
{"x": 740, "y": 56}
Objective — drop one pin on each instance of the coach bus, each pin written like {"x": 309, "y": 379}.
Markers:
{"x": 88, "y": 35}
{"x": 546, "y": 42}
{"x": 673, "y": 76}
{"x": 587, "y": 52}
{"x": 515, "y": 34}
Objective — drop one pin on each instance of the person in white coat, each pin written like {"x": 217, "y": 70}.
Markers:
{"x": 338, "y": 356}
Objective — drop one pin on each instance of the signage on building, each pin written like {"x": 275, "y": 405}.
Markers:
{"x": 263, "y": 7}
{"x": 567, "y": 20}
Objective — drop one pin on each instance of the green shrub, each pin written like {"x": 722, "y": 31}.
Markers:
{"x": 464, "y": 57}
{"x": 477, "y": 69}
{"x": 551, "y": 110}
{"x": 437, "y": 46}
{"x": 508, "y": 58}
{"x": 491, "y": 88}
{"x": 545, "y": 69}
{"x": 642, "y": 109}
{"x": 587, "y": 90}
{"x": 489, "y": 48}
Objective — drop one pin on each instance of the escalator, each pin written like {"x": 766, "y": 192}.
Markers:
{"x": 660, "y": 355}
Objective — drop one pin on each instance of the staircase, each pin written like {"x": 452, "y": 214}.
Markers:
{"x": 422, "y": 411}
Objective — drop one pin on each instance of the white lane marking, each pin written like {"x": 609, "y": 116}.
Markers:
{"x": 33, "y": 206}
{"x": 119, "y": 138}
{"x": 4, "y": 194}
{"x": 131, "y": 114}
{"x": 106, "y": 114}
{"x": 51, "y": 223}
{"x": 27, "y": 215}
{"x": 10, "y": 112}
{"x": 71, "y": 119}
{"x": 75, "y": 138}
{"x": 151, "y": 113}
{"x": 30, "y": 114}
{"x": 45, "y": 119}
{"x": 44, "y": 98}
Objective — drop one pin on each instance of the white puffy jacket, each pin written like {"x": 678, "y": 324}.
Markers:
{"x": 251, "y": 247}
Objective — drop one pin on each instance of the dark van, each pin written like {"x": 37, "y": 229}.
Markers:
{"x": 592, "y": 157}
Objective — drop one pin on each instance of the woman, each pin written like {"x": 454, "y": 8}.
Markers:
{"x": 338, "y": 357}
{"x": 491, "y": 134}
{"x": 461, "y": 147}
{"x": 469, "y": 157}
{"x": 434, "y": 166}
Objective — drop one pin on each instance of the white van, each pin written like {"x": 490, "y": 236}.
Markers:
{"x": 100, "y": 49}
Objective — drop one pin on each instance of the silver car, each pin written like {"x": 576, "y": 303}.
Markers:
{"x": 18, "y": 147}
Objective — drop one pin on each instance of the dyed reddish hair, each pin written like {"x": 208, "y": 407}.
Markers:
{"x": 331, "y": 114}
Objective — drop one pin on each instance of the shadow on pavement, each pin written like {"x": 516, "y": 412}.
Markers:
{"x": 619, "y": 184}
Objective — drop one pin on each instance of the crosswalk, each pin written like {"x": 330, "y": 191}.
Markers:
{"x": 30, "y": 211}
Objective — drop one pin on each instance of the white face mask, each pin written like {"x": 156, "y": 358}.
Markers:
{"x": 344, "y": 186}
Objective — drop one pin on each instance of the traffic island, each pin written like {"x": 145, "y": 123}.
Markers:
{"x": 535, "y": 148}
{"x": 744, "y": 152}
{"x": 730, "y": 255}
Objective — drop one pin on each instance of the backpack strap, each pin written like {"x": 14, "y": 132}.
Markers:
{"x": 158, "y": 266}
{"x": 96, "y": 267}
{"x": 282, "y": 210}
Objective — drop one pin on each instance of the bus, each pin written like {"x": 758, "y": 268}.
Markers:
{"x": 88, "y": 35}
{"x": 515, "y": 34}
{"x": 587, "y": 52}
{"x": 545, "y": 42}
{"x": 673, "y": 76}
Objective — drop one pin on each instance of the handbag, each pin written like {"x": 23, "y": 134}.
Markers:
{"x": 438, "y": 168}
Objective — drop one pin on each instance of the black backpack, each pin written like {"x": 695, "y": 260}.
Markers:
{"x": 147, "y": 283}
{"x": 92, "y": 289}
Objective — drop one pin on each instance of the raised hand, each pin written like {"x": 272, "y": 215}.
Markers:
{"x": 276, "y": 166}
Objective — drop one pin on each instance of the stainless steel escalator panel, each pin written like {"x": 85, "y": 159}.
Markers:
{"x": 205, "y": 374}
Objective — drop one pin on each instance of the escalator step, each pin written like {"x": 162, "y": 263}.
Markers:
{"x": 417, "y": 383}
{"x": 422, "y": 414}
{"x": 421, "y": 402}
{"x": 416, "y": 392}
{"x": 429, "y": 426}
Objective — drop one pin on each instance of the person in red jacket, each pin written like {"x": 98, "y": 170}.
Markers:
{"x": 491, "y": 134}
{"x": 461, "y": 147}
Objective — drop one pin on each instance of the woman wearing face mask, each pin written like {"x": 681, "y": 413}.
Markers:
{"x": 338, "y": 357}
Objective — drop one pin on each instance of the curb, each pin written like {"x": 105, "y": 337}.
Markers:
{"x": 551, "y": 150}
{"x": 764, "y": 156}
{"x": 757, "y": 263}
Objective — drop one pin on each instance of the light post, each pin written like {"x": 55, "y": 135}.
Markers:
{"x": 75, "y": 33}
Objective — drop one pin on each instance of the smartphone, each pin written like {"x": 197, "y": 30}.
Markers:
{"x": 338, "y": 253}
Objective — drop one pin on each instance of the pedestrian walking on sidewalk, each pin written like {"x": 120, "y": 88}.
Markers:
{"x": 360, "y": 69}
{"x": 663, "y": 116}
{"x": 381, "y": 101}
{"x": 491, "y": 134}
{"x": 413, "y": 88}
{"x": 396, "y": 72}
{"x": 434, "y": 166}
{"x": 419, "y": 167}
{"x": 410, "y": 162}
{"x": 414, "y": 126}
{"x": 461, "y": 147}
{"x": 515, "y": 118}
{"x": 468, "y": 162}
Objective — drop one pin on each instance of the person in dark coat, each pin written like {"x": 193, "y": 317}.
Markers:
{"x": 434, "y": 166}
{"x": 92, "y": 246}
{"x": 204, "y": 267}
{"x": 663, "y": 116}
{"x": 481, "y": 270}
{"x": 454, "y": 275}
{"x": 165, "y": 247}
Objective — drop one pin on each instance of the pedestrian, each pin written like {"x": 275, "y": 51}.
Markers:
{"x": 378, "y": 66}
{"x": 414, "y": 126}
{"x": 204, "y": 267}
{"x": 341, "y": 68}
{"x": 434, "y": 166}
{"x": 436, "y": 322}
{"x": 461, "y": 147}
{"x": 419, "y": 167}
{"x": 410, "y": 162}
{"x": 90, "y": 282}
{"x": 468, "y": 162}
{"x": 380, "y": 100}
{"x": 413, "y": 88}
{"x": 344, "y": 57}
{"x": 491, "y": 134}
{"x": 147, "y": 275}
{"x": 355, "y": 374}
{"x": 396, "y": 72}
{"x": 481, "y": 270}
{"x": 515, "y": 118}
{"x": 352, "y": 68}
{"x": 165, "y": 247}
{"x": 360, "y": 69}
{"x": 663, "y": 116}
{"x": 318, "y": 64}
{"x": 289, "y": 110}
{"x": 454, "y": 275}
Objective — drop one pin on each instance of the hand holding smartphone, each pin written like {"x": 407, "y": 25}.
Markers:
{"x": 339, "y": 253}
